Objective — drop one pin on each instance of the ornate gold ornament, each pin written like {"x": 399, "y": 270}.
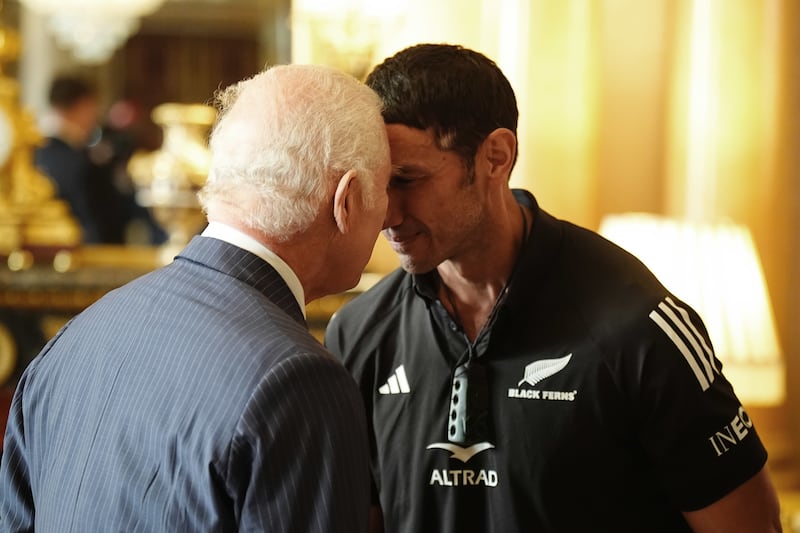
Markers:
{"x": 167, "y": 179}
{"x": 32, "y": 220}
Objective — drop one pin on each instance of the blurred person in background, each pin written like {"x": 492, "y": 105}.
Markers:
{"x": 63, "y": 158}
{"x": 87, "y": 162}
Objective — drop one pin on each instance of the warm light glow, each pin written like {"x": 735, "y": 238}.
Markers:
{"x": 92, "y": 29}
{"x": 562, "y": 108}
{"x": 336, "y": 8}
{"x": 700, "y": 174}
{"x": 715, "y": 269}
{"x": 722, "y": 109}
{"x": 342, "y": 33}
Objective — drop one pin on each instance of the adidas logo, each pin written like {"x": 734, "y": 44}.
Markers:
{"x": 397, "y": 383}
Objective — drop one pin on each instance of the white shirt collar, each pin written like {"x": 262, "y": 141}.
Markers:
{"x": 223, "y": 232}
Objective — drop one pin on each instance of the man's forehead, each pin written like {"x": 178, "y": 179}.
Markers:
{"x": 403, "y": 133}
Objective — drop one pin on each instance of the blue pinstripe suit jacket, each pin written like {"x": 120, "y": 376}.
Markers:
{"x": 192, "y": 399}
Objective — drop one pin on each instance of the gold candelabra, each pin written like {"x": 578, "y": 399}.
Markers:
{"x": 32, "y": 221}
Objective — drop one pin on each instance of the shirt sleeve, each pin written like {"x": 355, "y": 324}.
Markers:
{"x": 299, "y": 458}
{"x": 693, "y": 427}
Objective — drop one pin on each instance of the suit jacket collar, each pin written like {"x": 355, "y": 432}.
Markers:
{"x": 247, "y": 268}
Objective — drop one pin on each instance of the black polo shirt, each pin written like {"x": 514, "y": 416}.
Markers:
{"x": 605, "y": 408}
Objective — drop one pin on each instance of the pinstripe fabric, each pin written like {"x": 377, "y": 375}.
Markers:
{"x": 192, "y": 399}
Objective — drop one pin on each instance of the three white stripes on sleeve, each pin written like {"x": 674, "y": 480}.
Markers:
{"x": 675, "y": 322}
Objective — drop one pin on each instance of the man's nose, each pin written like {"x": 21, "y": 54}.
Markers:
{"x": 393, "y": 213}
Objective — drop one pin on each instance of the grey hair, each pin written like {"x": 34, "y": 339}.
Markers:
{"x": 283, "y": 139}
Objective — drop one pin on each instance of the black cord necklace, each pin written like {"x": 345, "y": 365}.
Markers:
{"x": 501, "y": 295}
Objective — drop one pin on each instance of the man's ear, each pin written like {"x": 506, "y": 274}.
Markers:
{"x": 344, "y": 201}
{"x": 500, "y": 148}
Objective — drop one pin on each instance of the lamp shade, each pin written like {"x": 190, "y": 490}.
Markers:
{"x": 715, "y": 268}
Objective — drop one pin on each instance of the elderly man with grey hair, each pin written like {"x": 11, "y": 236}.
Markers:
{"x": 195, "y": 398}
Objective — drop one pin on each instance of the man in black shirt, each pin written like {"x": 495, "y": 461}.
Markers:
{"x": 521, "y": 373}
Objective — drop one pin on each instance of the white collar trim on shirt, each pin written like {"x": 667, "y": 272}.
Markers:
{"x": 223, "y": 232}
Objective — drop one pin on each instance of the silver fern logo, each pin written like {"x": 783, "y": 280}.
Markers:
{"x": 536, "y": 372}
{"x": 539, "y": 370}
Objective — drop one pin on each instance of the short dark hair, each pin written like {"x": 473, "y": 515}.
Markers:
{"x": 460, "y": 94}
{"x": 66, "y": 91}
